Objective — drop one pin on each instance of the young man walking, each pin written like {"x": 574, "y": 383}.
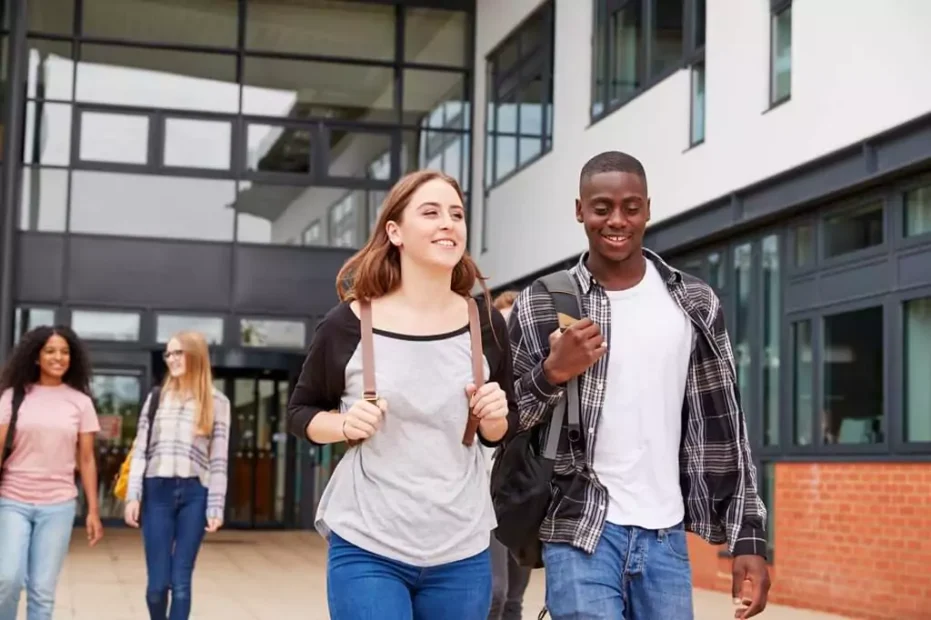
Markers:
{"x": 509, "y": 579}
{"x": 663, "y": 447}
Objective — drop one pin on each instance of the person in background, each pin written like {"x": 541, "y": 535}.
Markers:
{"x": 509, "y": 579}
{"x": 51, "y": 370}
{"x": 408, "y": 512}
{"x": 181, "y": 476}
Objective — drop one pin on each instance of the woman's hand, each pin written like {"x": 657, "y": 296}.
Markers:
{"x": 131, "y": 514}
{"x": 213, "y": 524}
{"x": 488, "y": 402}
{"x": 363, "y": 419}
{"x": 94, "y": 529}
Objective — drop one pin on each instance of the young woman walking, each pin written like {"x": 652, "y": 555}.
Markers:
{"x": 48, "y": 379}
{"x": 180, "y": 476}
{"x": 408, "y": 510}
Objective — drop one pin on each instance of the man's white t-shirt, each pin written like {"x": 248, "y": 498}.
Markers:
{"x": 637, "y": 445}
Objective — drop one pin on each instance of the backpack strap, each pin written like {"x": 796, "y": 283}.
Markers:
{"x": 18, "y": 396}
{"x": 154, "y": 397}
{"x": 567, "y": 300}
{"x": 478, "y": 368}
{"x": 366, "y": 335}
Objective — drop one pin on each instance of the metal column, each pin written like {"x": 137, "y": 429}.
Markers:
{"x": 13, "y": 120}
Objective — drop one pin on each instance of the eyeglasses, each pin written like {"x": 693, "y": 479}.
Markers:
{"x": 173, "y": 353}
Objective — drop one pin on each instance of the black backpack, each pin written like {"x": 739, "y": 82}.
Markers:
{"x": 522, "y": 472}
{"x": 18, "y": 396}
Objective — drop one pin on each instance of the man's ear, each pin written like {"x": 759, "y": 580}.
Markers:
{"x": 648, "y": 209}
{"x": 578, "y": 210}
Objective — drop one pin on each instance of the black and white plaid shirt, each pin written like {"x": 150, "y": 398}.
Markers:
{"x": 717, "y": 475}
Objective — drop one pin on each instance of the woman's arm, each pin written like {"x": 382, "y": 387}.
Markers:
{"x": 313, "y": 410}
{"x": 88, "y": 426}
{"x": 219, "y": 459}
{"x": 88, "y": 469}
{"x": 140, "y": 447}
{"x": 493, "y": 432}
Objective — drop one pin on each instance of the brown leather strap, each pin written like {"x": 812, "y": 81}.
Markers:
{"x": 478, "y": 368}
{"x": 368, "y": 352}
{"x": 368, "y": 357}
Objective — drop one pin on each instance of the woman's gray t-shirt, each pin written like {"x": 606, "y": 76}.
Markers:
{"x": 412, "y": 492}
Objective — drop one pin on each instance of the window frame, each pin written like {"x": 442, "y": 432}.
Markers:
{"x": 602, "y": 36}
{"x": 896, "y": 351}
{"x": 776, "y": 8}
{"x": 899, "y": 207}
{"x": 527, "y": 65}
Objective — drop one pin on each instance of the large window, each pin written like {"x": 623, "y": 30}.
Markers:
{"x": 638, "y": 43}
{"x": 917, "y": 362}
{"x": 234, "y": 121}
{"x": 520, "y": 97}
{"x": 780, "y": 81}
{"x": 918, "y": 211}
{"x": 852, "y": 402}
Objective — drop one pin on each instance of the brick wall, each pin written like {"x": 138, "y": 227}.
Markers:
{"x": 850, "y": 538}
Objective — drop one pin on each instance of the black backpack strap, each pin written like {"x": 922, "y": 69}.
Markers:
{"x": 18, "y": 395}
{"x": 567, "y": 300}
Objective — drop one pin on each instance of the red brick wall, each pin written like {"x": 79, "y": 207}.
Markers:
{"x": 850, "y": 538}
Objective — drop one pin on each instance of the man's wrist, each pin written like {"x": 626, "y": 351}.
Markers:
{"x": 551, "y": 375}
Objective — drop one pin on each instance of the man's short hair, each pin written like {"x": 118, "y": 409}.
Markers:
{"x": 612, "y": 161}
{"x": 505, "y": 300}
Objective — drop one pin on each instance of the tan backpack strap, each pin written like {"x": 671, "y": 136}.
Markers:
{"x": 368, "y": 352}
{"x": 478, "y": 368}
{"x": 368, "y": 355}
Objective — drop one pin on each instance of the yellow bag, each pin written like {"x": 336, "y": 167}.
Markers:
{"x": 121, "y": 483}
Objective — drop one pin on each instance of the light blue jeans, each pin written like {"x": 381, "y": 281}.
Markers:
{"x": 34, "y": 541}
{"x": 634, "y": 574}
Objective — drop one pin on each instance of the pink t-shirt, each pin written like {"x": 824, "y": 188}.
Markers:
{"x": 40, "y": 470}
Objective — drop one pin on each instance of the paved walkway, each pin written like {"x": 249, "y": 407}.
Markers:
{"x": 255, "y": 576}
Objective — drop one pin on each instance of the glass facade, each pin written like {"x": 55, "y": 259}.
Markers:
{"x": 831, "y": 355}
{"x": 246, "y": 121}
{"x": 199, "y": 134}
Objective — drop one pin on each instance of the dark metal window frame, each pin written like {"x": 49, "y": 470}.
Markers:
{"x": 891, "y": 299}
{"x": 776, "y": 8}
{"x": 319, "y": 126}
{"x": 538, "y": 60}
{"x": 602, "y": 35}
{"x": 899, "y": 210}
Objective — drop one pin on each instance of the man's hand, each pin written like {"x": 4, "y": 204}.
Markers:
{"x": 574, "y": 351}
{"x": 750, "y": 568}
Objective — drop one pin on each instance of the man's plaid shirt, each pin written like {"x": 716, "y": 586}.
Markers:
{"x": 717, "y": 475}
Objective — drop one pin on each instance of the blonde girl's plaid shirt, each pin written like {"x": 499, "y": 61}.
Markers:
{"x": 718, "y": 478}
{"x": 177, "y": 451}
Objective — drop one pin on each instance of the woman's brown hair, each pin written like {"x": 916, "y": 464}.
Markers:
{"x": 196, "y": 381}
{"x": 375, "y": 270}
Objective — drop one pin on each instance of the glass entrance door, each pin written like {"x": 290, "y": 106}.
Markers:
{"x": 260, "y": 461}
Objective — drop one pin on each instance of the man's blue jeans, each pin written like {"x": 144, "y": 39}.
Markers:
{"x": 174, "y": 515}
{"x": 34, "y": 541}
{"x": 634, "y": 574}
{"x": 365, "y": 586}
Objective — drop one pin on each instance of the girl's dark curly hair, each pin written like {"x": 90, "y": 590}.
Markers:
{"x": 22, "y": 369}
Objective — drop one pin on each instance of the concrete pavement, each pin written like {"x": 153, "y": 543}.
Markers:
{"x": 256, "y": 576}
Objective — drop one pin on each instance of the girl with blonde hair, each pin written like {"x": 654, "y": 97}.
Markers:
{"x": 177, "y": 477}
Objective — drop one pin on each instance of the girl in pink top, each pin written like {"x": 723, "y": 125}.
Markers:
{"x": 50, "y": 370}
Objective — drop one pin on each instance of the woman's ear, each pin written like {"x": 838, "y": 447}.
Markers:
{"x": 394, "y": 233}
